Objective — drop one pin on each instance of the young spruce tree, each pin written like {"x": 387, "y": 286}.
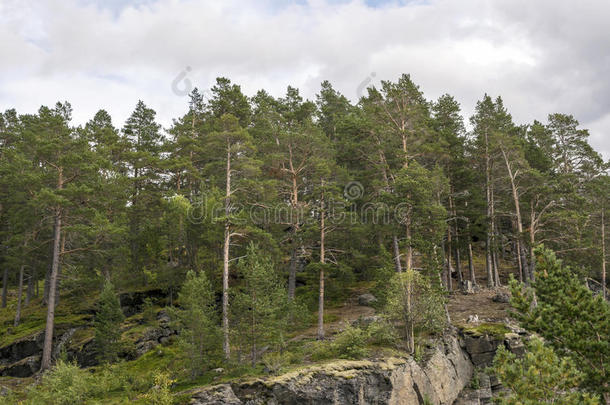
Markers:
{"x": 107, "y": 325}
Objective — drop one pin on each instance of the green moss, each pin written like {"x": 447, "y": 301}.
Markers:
{"x": 497, "y": 330}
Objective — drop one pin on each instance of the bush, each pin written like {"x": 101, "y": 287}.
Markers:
{"x": 351, "y": 343}
{"x": 275, "y": 362}
{"x": 64, "y": 384}
{"x": 539, "y": 377}
{"x": 322, "y": 350}
{"x": 382, "y": 333}
{"x": 160, "y": 394}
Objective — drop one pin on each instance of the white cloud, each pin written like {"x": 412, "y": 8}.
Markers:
{"x": 542, "y": 57}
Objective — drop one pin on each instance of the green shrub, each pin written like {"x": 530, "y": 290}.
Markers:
{"x": 149, "y": 314}
{"x": 540, "y": 377}
{"x": 64, "y": 384}
{"x": 107, "y": 325}
{"x": 275, "y": 362}
{"x": 321, "y": 350}
{"x": 160, "y": 393}
{"x": 382, "y": 333}
{"x": 351, "y": 343}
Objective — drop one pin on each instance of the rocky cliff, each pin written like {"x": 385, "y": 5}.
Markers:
{"x": 445, "y": 376}
{"x": 438, "y": 379}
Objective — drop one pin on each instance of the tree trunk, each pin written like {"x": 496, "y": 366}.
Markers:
{"x": 488, "y": 198}
{"x": 397, "y": 264}
{"x": 322, "y": 261}
{"x": 494, "y": 241}
{"x": 19, "y": 294}
{"x": 532, "y": 267}
{"x": 517, "y": 248}
{"x": 409, "y": 322}
{"x": 409, "y": 260}
{"x": 604, "y": 294}
{"x": 458, "y": 264}
{"x": 47, "y": 348}
{"x": 30, "y": 290}
{"x": 292, "y": 274}
{"x": 522, "y": 261}
{"x": 448, "y": 261}
{"x": 473, "y": 278}
{"x": 225, "y": 261}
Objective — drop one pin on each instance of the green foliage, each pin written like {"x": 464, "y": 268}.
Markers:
{"x": 64, "y": 384}
{"x": 414, "y": 298}
{"x": 197, "y": 322}
{"x": 149, "y": 314}
{"x": 160, "y": 394}
{"x": 497, "y": 330}
{"x": 561, "y": 309}
{"x": 540, "y": 377}
{"x": 107, "y": 325}
{"x": 382, "y": 333}
{"x": 260, "y": 306}
{"x": 351, "y": 343}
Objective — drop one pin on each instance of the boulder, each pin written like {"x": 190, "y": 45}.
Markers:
{"x": 366, "y": 299}
{"x": 501, "y": 297}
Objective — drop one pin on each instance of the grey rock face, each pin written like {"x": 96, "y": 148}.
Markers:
{"x": 395, "y": 381}
{"x": 501, "y": 297}
{"x": 481, "y": 349}
{"x": 366, "y": 299}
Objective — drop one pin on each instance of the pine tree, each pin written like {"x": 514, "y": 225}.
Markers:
{"x": 108, "y": 325}
{"x": 260, "y": 305}
{"x": 540, "y": 377}
{"x": 196, "y": 319}
{"x": 567, "y": 314}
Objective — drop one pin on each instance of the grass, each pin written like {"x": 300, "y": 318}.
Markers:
{"x": 497, "y": 330}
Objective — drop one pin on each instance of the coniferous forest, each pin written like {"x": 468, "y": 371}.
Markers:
{"x": 251, "y": 223}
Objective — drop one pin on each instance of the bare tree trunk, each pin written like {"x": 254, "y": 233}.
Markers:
{"x": 397, "y": 264}
{"x": 604, "y": 294}
{"x": 522, "y": 261}
{"x": 225, "y": 261}
{"x": 488, "y": 261}
{"x": 489, "y": 198}
{"x": 494, "y": 241}
{"x": 292, "y": 274}
{"x": 47, "y": 348}
{"x": 322, "y": 261}
{"x": 294, "y": 201}
{"x": 409, "y": 323}
{"x": 532, "y": 229}
{"x": 497, "y": 282}
{"x": 517, "y": 247}
{"x": 448, "y": 261}
{"x": 409, "y": 261}
{"x": 458, "y": 264}
{"x": 471, "y": 265}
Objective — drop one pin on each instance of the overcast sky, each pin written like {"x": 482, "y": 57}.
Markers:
{"x": 541, "y": 56}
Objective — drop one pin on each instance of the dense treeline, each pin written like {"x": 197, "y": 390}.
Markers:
{"x": 330, "y": 192}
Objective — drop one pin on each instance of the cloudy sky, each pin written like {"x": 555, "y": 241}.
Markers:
{"x": 541, "y": 56}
